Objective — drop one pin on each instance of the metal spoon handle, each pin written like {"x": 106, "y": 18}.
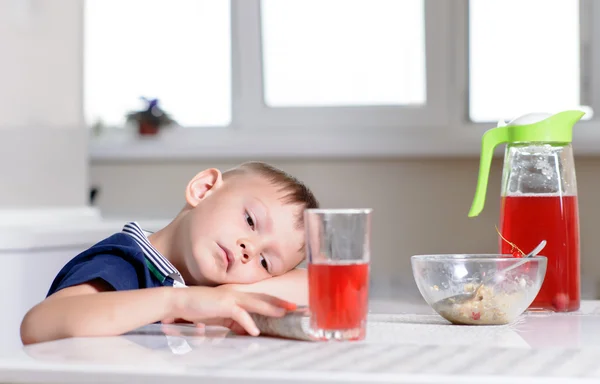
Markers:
{"x": 535, "y": 251}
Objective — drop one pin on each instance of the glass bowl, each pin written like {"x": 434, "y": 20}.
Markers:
{"x": 502, "y": 298}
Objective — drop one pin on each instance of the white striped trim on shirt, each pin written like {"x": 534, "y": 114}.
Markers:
{"x": 160, "y": 262}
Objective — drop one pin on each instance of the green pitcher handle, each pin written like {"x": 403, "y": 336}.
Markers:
{"x": 491, "y": 139}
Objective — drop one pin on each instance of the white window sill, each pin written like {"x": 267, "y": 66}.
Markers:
{"x": 224, "y": 143}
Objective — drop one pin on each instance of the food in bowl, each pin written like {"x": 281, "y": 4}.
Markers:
{"x": 485, "y": 308}
{"x": 451, "y": 285}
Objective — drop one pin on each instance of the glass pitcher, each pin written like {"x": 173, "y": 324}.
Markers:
{"x": 538, "y": 199}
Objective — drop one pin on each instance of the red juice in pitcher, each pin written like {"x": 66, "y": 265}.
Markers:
{"x": 338, "y": 295}
{"x": 528, "y": 219}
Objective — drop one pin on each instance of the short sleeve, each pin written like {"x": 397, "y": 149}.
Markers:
{"x": 115, "y": 270}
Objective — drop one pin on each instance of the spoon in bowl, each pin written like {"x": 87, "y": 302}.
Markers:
{"x": 465, "y": 297}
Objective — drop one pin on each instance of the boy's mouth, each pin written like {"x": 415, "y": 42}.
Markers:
{"x": 227, "y": 257}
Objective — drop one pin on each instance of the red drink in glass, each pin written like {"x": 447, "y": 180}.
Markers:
{"x": 338, "y": 296}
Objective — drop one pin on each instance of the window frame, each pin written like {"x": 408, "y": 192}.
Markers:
{"x": 317, "y": 118}
{"x": 441, "y": 128}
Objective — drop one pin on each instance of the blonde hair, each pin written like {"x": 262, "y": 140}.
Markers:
{"x": 296, "y": 192}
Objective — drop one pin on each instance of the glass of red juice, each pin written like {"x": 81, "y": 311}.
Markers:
{"x": 338, "y": 253}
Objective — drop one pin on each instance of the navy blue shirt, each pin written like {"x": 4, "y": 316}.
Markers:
{"x": 124, "y": 261}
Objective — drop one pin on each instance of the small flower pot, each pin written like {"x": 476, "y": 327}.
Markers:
{"x": 146, "y": 128}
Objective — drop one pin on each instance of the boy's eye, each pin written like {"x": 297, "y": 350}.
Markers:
{"x": 249, "y": 220}
{"x": 264, "y": 263}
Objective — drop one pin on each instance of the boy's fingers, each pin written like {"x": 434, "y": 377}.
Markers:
{"x": 240, "y": 316}
{"x": 287, "y": 305}
{"x": 234, "y": 326}
{"x": 277, "y": 301}
{"x": 171, "y": 331}
{"x": 237, "y": 329}
{"x": 172, "y": 320}
{"x": 266, "y": 308}
{"x": 220, "y": 321}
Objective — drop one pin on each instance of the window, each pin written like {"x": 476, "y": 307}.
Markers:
{"x": 524, "y": 57}
{"x": 354, "y": 53}
{"x": 336, "y": 78}
{"x": 178, "y": 51}
{"x": 343, "y": 65}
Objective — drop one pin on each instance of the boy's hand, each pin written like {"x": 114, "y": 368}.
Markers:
{"x": 227, "y": 308}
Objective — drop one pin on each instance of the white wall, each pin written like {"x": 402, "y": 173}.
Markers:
{"x": 43, "y": 147}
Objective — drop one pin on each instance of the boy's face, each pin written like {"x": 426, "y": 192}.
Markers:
{"x": 241, "y": 232}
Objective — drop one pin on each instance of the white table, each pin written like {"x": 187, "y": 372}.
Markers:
{"x": 406, "y": 343}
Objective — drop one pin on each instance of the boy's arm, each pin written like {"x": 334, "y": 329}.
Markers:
{"x": 85, "y": 310}
{"x": 291, "y": 286}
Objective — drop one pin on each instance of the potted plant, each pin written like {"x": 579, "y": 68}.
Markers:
{"x": 151, "y": 119}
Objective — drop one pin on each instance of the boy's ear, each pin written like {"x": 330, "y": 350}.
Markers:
{"x": 202, "y": 185}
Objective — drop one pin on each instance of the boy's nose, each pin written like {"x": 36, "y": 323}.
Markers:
{"x": 247, "y": 249}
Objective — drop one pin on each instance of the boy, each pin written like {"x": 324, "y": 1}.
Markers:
{"x": 239, "y": 231}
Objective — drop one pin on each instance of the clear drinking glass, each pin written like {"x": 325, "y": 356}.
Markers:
{"x": 338, "y": 248}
